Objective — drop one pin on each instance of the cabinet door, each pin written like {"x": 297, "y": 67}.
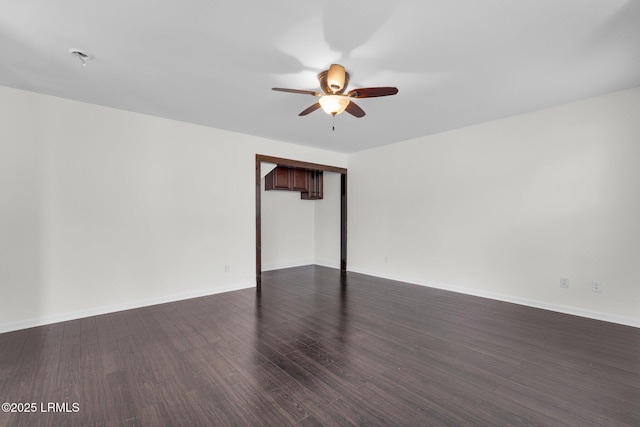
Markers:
{"x": 279, "y": 179}
{"x": 314, "y": 191}
{"x": 300, "y": 179}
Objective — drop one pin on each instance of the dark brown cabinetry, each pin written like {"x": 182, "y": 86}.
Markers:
{"x": 279, "y": 179}
{"x": 307, "y": 182}
{"x": 314, "y": 186}
{"x": 299, "y": 179}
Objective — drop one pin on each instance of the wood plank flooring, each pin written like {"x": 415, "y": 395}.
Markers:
{"x": 315, "y": 348}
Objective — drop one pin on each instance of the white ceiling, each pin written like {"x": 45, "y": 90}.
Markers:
{"x": 455, "y": 62}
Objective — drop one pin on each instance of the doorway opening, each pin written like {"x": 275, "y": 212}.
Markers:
{"x": 308, "y": 166}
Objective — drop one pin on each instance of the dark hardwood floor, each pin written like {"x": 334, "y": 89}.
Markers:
{"x": 314, "y": 348}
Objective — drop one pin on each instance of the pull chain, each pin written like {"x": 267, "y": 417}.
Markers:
{"x": 333, "y": 122}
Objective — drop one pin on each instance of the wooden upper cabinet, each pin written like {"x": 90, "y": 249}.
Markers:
{"x": 278, "y": 179}
{"x": 307, "y": 182}
{"x": 299, "y": 179}
{"x": 314, "y": 186}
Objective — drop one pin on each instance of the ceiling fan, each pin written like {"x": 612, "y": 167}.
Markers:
{"x": 333, "y": 99}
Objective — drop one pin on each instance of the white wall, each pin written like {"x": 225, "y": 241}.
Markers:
{"x": 506, "y": 208}
{"x": 327, "y": 222}
{"x": 103, "y": 209}
{"x": 301, "y": 232}
{"x": 21, "y": 208}
{"x": 288, "y": 229}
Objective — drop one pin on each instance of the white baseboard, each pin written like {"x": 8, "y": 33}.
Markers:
{"x": 576, "y": 311}
{"x": 327, "y": 263}
{"x": 280, "y": 266}
{"x": 34, "y": 322}
{"x": 41, "y": 321}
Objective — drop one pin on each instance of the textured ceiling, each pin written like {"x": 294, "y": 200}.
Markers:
{"x": 455, "y": 62}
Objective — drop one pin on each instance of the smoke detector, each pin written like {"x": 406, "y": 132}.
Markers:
{"x": 81, "y": 55}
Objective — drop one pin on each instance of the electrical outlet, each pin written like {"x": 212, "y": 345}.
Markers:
{"x": 596, "y": 286}
{"x": 564, "y": 282}
{"x": 226, "y": 268}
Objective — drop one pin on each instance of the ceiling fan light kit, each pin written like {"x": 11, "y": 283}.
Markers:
{"x": 336, "y": 76}
{"x": 334, "y": 104}
{"x": 333, "y": 100}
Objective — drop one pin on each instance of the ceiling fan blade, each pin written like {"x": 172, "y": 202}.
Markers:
{"x": 300, "y": 91}
{"x": 311, "y": 109}
{"x": 371, "y": 92}
{"x": 354, "y": 109}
